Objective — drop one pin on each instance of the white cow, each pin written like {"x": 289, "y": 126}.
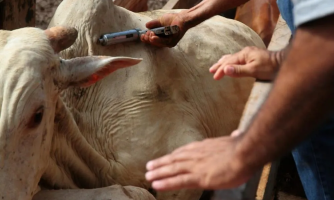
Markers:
{"x": 32, "y": 114}
{"x": 59, "y": 129}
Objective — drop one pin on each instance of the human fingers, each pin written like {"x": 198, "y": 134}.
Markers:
{"x": 145, "y": 37}
{"x": 150, "y": 38}
{"x": 240, "y": 58}
{"x": 233, "y": 59}
{"x": 170, "y": 41}
{"x": 173, "y": 169}
{"x": 214, "y": 67}
{"x": 177, "y": 182}
{"x": 166, "y": 160}
{"x": 219, "y": 73}
{"x": 247, "y": 70}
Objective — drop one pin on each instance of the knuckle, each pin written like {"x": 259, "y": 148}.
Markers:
{"x": 175, "y": 168}
{"x": 172, "y": 159}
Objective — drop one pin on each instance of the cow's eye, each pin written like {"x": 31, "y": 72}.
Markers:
{"x": 36, "y": 119}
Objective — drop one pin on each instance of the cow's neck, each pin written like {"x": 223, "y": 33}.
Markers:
{"x": 71, "y": 156}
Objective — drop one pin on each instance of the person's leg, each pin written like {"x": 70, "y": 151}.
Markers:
{"x": 314, "y": 159}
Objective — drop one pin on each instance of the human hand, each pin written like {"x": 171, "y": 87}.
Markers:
{"x": 209, "y": 164}
{"x": 166, "y": 20}
{"x": 251, "y": 61}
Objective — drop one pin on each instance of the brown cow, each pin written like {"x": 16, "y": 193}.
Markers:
{"x": 259, "y": 15}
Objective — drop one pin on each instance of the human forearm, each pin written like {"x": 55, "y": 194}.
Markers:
{"x": 207, "y": 9}
{"x": 279, "y": 56}
{"x": 302, "y": 96}
{"x": 185, "y": 20}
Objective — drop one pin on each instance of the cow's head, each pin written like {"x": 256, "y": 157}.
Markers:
{"x": 31, "y": 78}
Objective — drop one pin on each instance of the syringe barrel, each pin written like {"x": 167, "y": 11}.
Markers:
{"x": 119, "y": 37}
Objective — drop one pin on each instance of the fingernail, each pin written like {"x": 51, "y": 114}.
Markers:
{"x": 230, "y": 70}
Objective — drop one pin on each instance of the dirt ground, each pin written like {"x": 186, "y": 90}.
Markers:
{"x": 46, "y": 8}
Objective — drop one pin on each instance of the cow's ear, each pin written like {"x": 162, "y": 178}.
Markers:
{"x": 85, "y": 71}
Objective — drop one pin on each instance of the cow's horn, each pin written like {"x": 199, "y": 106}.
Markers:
{"x": 61, "y": 37}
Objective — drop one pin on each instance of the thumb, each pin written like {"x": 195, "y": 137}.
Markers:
{"x": 239, "y": 70}
{"x": 153, "y": 24}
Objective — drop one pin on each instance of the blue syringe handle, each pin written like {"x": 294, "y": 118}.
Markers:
{"x": 119, "y": 37}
